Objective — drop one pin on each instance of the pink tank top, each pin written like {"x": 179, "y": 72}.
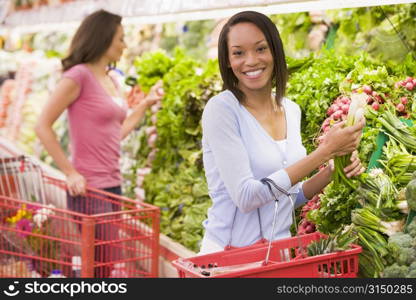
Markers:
{"x": 95, "y": 122}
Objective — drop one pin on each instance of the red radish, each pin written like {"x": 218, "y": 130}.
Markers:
{"x": 381, "y": 99}
{"x": 403, "y": 100}
{"x": 409, "y": 86}
{"x": 330, "y": 111}
{"x": 375, "y": 105}
{"x": 367, "y": 89}
{"x": 414, "y": 81}
{"x": 310, "y": 228}
{"x": 345, "y": 108}
{"x": 345, "y": 100}
{"x": 374, "y": 93}
{"x": 335, "y": 107}
{"x": 315, "y": 198}
{"x": 336, "y": 115}
{"x": 400, "y": 107}
{"x": 408, "y": 79}
{"x": 397, "y": 85}
{"x": 369, "y": 100}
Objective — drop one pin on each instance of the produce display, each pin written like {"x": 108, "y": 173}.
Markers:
{"x": 176, "y": 182}
{"x": 22, "y": 100}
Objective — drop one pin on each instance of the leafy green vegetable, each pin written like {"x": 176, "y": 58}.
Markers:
{"x": 398, "y": 163}
{"x": 336, "y": 204}
{"x": 177, "y": 182}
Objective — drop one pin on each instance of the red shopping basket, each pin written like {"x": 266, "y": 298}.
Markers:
{"x": 283, "y": 261}
{"x": 101, "y": 235}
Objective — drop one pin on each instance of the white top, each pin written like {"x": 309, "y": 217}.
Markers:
{"x": 237, "y": 153}
{"x": 282, "y": 145}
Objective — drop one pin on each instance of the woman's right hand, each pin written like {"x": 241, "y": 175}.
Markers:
{"x": 76, "y": 184}
{"x": 340, "y": 140}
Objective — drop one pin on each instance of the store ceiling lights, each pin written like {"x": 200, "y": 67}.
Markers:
{"x": 67, "y": 16}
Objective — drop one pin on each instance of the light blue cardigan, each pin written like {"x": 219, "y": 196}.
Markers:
{"x": 237, "y": 153}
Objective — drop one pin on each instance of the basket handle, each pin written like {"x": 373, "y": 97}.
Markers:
{"x": 269, "y": 183}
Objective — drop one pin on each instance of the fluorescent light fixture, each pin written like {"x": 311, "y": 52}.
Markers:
{"x": 283, "y": 7}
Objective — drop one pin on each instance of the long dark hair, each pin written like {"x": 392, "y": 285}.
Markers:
{"x": 272, "y": 36}
{"x": 92, "y": 39}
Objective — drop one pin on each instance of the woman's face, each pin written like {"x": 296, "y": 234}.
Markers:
{"x": 250, "y": 57}
{"x": 117, "y": 46}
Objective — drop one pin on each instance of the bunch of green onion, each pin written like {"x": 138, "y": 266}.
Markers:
{"x": 355, "y": 114}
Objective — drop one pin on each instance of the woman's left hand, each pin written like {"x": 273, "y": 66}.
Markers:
{"x": 155, "y": 94}
{"x": 353, "y": 169}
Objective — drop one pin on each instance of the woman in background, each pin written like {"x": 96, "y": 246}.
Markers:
{"x": 98, "y": 120}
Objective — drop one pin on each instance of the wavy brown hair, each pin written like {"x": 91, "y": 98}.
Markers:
{"x": 92, "y": 39}
{"x": 280, "y": 73}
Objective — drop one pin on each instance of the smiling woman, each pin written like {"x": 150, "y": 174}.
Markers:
{"x": 251, "y": 133}
{"x": 248, "y": 39}
{"x": 250, "y": 57}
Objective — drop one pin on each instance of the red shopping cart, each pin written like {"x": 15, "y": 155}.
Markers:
{"x": 107, "y": 236}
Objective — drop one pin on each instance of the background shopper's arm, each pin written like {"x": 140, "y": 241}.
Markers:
{"x": 155, "y": 95}
{"x": 65, "y": 93}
